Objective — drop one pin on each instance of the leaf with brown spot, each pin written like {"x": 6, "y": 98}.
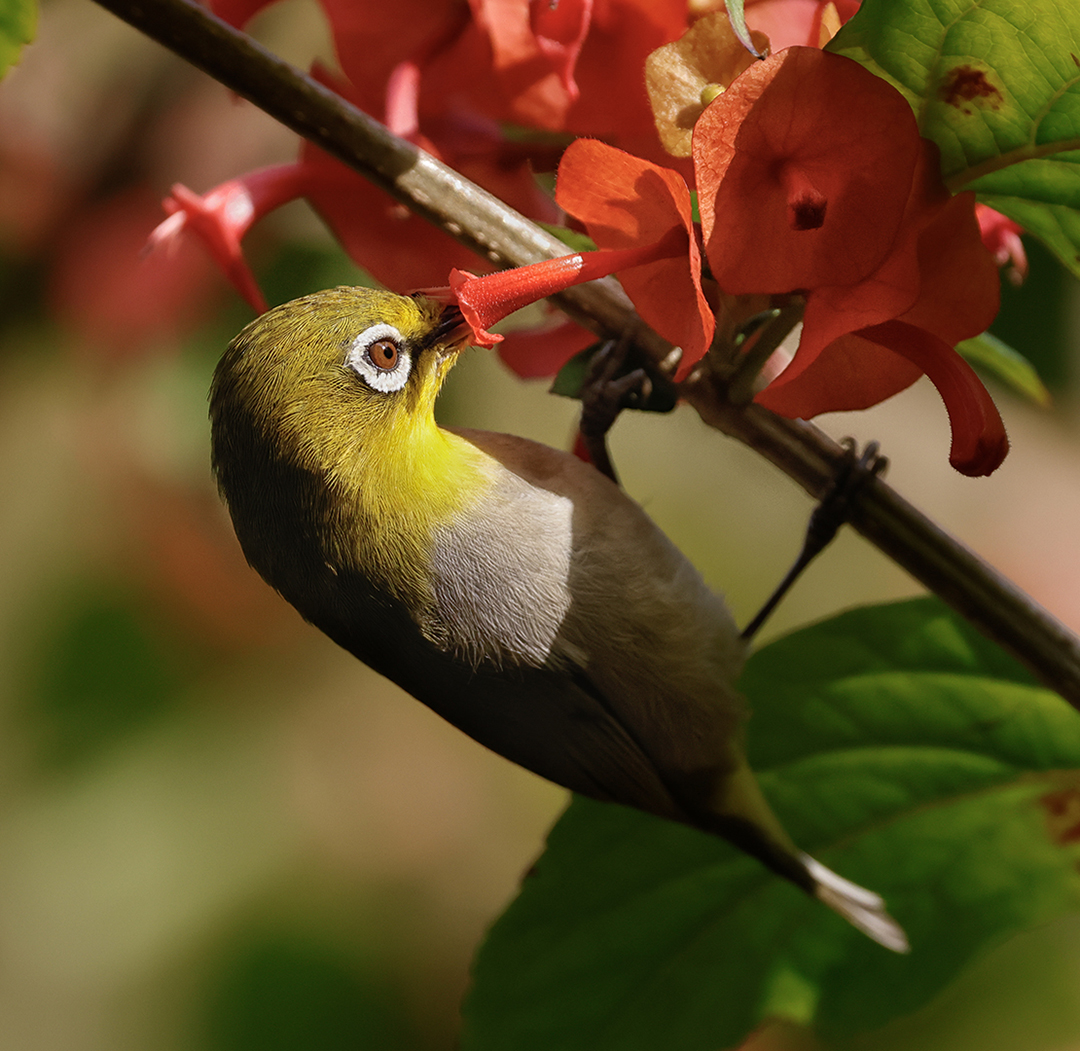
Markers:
{"x": 996, "y": 84}
{"x": 967, "y": 83}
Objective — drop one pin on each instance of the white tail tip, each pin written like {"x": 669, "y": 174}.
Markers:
{"x": 862, "y": 908}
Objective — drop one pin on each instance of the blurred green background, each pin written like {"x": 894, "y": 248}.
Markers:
{"x": 216, "y": 830}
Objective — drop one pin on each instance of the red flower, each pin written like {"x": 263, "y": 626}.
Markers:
{"x": 640, "y": 215}
{"x": 223, "y": 216}
{"x": 398, "y": 248}
{"x": 560, "y": 28}
{"x": 792, "y": 22}
{"x": 118, "y": 300}
{"x": 627, "y": 202}
{"x": 571, "y": 66}
{"x": 613, "y": 102}
{"x": 803, "y": 170}
{"x": 813, "y": 179}
{"x": 1002, "y": 237}
{"x": 485, "y": 301}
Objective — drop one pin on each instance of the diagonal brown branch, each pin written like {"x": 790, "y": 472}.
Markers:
{"x": 992, "y": 603}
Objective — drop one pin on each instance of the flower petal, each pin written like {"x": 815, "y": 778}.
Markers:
{"x": 979, "y": 442}
{"x": 804, "y": 168}
{"x": 788, "y": 22}
{"x": 1002, "y": 236}
{"x": 625, "y": 202}
{"x": 223, "y": 216}
{"x": 939, "y": 277}
{"x": 850, "y": 373}
{"x": 960, "y": 291}
{"x": 560, "y": 29}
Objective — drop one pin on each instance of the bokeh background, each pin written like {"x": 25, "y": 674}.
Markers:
{"x": 219, "y": 832}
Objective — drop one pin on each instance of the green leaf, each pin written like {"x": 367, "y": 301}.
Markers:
{"x": 280, "y": 991}
{"x": 570, "y": 379}
{"x": 18, "y": 22}
{"x": 996, "y": 84}
{"x": 901, "y": 749}
{"x": 996, "y": 357}
{"x": 573, "y": 239}
{"x": 738, "y": 25}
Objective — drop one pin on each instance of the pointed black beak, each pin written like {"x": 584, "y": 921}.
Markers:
{"x": 451, "y": 331}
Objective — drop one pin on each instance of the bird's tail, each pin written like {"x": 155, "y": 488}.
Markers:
{"x": 743, "y": 817}
{"x": 862, "y": 908}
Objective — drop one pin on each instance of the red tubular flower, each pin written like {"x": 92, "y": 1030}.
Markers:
{"x": 485, "y": 301}
{"x": 223, "y": 216}
{"x": 396, "y": 247}
{"x": 979, "y": 442}
{"x": 625, "y": 202}
{"x": 875, "y": 363}
{"x": 1002, "y": 237}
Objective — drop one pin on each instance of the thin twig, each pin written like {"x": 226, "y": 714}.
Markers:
{"x": 992, "y": 603}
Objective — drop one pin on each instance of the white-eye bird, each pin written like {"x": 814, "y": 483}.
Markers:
{"x": 510, "y": 587}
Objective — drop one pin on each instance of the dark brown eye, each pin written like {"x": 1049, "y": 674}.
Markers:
{"x": 384, "y": 354}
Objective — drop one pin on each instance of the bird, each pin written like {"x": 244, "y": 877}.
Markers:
{"x": 511, "y": 587}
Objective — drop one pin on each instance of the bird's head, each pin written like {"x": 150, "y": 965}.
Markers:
{"x": 335, "y": 378}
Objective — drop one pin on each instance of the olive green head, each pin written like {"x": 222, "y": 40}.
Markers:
{"x": 329, "y": 374}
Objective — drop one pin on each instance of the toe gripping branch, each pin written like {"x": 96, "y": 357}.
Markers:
{"x": 827, "y": 518}
{"x": 612, "y": 384}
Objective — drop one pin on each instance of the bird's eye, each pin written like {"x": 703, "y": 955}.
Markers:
{"x": 380, "y": 356}
{"x": 384, "y": 354}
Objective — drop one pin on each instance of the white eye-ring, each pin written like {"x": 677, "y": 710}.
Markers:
{"x": 380, "y": 356}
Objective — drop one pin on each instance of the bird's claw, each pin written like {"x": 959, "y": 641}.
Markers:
{"x": 834, "y": 509}
{"x": 851, "y": 477}
{"x": 604, "y": 394}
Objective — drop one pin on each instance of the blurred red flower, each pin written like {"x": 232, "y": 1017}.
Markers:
{"x": 788, "y": 23}
{"x": 115, "y": 297}
{"x": 1002, "y": 237}
{"x": 572, "y": 66}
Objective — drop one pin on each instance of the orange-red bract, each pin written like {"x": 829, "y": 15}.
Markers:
{"x": 625, "y": 201}
{"x": 813, "y": 179}
{"x": 803, "y": 168}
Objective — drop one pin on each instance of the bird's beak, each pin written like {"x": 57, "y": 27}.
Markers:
{"x": 451, "y": 331}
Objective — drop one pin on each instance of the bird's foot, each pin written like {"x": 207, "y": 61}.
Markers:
{"x": 834, "y": 509}
{"x": 607, "y": 390}
{"x": 851, "y": 477}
